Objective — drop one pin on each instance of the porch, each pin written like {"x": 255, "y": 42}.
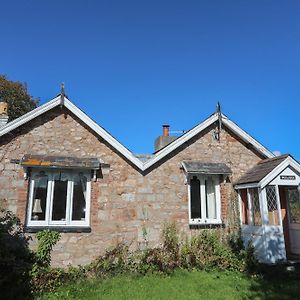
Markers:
{"x": 270, "y": 208}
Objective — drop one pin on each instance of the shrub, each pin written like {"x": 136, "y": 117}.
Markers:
{"x": 165, "y": 258}
{"x": 244, "y": 254}
{"x": 45, "y": 278}
{"x": 15, "y": 258}
{"x": 48, "y": 279}
{"x": 114, "y": 261}
{"x": 46, "y": 240}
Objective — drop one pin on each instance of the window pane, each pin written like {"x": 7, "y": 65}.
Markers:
{"x": 245, "y": 208}
{"x": 273, "y": 213}
{"x": 211, "y": 212}
{"x": 294, "y": 207}
{"x": 195, "y": 199}
{"x": 39, "y": 197}
{"x": 79, "y": 198}
{"x": 255, "y": 206}
{"x": 60, "y": 197}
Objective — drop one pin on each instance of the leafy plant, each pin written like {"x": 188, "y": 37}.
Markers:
{"x": 15, "y": 258}
{"x": 113, "y": 261}
{"x": 46, "y": 240}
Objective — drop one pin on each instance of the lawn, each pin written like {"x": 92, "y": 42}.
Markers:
{"x": 185, "y": 285}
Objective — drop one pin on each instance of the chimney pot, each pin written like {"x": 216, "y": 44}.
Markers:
{"x": 3, "y": 113}
{"x": 3, "y": 108}
{"x": 166, "y": 130}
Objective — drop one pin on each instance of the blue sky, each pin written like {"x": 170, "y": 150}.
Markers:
{"x": 135, "y": 65}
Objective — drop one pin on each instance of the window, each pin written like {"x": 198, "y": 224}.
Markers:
{"x": 204, "y": 200}
{"x": 294, "y": 205}
{"x": 244, "y": 207}
{"x": 255, "y": 208}
{"x": 272, "y": 204}
{"x": 59, "y": 198}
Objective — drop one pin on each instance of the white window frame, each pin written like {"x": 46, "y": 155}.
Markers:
{"x": 251, "y": 208}
{"x": 68, "y": 222}
{"x": 204, "y": 219}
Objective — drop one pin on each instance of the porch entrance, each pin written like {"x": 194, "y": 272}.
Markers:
{"x": 270, "y": 208}
{"x": 290, "y": 213}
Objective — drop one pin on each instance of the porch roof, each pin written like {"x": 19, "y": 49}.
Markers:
{"x": 261, "y": 170}
{"x": 30, "y": 160}
{"x": 195, "y": 166}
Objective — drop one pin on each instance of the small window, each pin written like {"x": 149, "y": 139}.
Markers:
{"x": 245, "y": 207}
{"x": 255, "y": 208}
{"x": 204, "y": 198}
{"x": 195, "y": 198}
{"x": 272, "y": 203}
{"x": 39, "y": 197}
{"x": 59, "y": 198}
{"x": 294, "y": 205}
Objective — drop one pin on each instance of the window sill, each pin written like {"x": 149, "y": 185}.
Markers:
{"x": 206, "y": 225}
{"x": 205, "y": 222}
{"x": 77, "y": 229}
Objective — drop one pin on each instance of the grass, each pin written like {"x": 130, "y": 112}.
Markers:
{"x": 184, "y": 285}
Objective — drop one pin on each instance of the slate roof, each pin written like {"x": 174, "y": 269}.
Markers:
{"x": 59, "y": 162}
{"x": 262, "y": 169}
{"x": 195, "y": 166}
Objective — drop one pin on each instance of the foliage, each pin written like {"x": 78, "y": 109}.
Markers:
{"x": 16, "y": 95}
{"x": 233, "y": 215}
{"x": 48, "y": 279}
{"x": 165, "y": 258}
{"x": 114, "y": 261}
{"x": 46, "y": 240}
{"x": 15, "y": 258}
{"x": 184, "y": 284}
{"x": 43, "y": 277}
{"x": 208, "y": 250}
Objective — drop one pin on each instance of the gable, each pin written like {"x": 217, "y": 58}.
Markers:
{"x": 142, "y": 166}
{"x": 281, "y": 170}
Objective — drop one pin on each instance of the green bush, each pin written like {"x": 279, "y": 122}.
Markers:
{"x": 166, "y": 258}
{"x": 46, "y": 240}
{"x": 114, "y": 261}
{"x": 209, "y": 249}
{"x": 15, "y": 258}
{"x": 48, "y": 279}
{"x": 23, "y": 272}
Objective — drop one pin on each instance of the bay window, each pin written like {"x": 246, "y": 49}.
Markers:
{"x": 59, "y": 198}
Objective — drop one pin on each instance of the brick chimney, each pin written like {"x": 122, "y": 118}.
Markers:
{"x": 3, "y": 114}
{"x": 165, "y": 139}
{"x": 166, "y": 130}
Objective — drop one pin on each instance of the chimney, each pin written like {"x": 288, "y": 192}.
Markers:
{"x": 166, "y": 130}
{"x": 165, "y": 139}
{"x": 3, "y": 114}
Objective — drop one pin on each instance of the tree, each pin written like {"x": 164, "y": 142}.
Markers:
{"x": 15, "y": 94}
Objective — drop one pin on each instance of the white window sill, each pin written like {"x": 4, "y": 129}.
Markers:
{"x": 205, "y": 222}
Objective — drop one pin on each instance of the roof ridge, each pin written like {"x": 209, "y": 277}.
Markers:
{"x": 128, "y": 154}
{"x": 266, "y": 160}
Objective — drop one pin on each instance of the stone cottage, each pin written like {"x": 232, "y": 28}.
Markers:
{"x": 61, "y": 170}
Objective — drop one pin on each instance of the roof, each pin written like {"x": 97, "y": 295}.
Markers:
{"x": 262, "y": 169}
{"x": 195, "y": 166}
{"x": 29, "y": 160}
{"x": 140, "y": 164}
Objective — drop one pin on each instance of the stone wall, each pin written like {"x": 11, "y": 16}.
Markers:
{"x": 125, "y": 202}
